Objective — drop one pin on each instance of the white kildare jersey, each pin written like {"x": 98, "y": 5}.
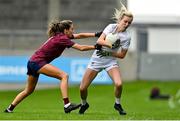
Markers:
{"x": 122, "y": 43}
{"x": 108, "y": 62}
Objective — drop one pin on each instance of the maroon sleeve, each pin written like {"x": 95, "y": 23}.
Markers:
{"x": 67, "y": 42}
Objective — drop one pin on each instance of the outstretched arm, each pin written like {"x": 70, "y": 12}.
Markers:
{"x": 86, "y": 35}
{"x": 83, "y": 35}
{"x": 83, "y": 47}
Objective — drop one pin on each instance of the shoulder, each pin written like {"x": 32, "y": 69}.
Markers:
{"x": 110, "y": 28}
{"x": 113, "y": 25}
{"x": 61, "y": 36}
{"x": 62, "y": 39}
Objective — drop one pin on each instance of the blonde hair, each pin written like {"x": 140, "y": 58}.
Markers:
{"x": 119, "y": 13}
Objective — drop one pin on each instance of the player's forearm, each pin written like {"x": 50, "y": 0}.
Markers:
{"x": 86, "y": 47}
{"x": 83, "y": 35}
{"x": 102, "y": 42}
{"x": 120, "y": 54}
{"x": 117, "y": 55}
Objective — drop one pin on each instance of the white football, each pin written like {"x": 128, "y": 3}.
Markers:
{"x": 111, "y": 38}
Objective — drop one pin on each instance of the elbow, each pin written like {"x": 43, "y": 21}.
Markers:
{"x": 121, "y": 57}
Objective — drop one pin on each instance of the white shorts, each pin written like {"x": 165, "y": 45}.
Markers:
{"x": 98, "y": 64}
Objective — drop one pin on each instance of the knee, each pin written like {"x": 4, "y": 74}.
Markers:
{"x": 65, "y": 76}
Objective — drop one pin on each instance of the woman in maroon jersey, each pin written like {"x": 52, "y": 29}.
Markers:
{"x": 60, "y": 34}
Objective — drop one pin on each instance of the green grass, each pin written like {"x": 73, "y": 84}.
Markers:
{"x": 48, "y": 105}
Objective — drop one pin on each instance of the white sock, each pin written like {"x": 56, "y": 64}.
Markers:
{"x": 67, "y": 105}
{"x": 117, "y": 100}
{"x": 9, "y": 111}
{"x": 83, "y": 102}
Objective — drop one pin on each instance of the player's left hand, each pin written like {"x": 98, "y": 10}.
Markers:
{"x": 98, "y": 47}
{"x": 102, "y": 53}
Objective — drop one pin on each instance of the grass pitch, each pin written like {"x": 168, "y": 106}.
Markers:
{"x": 47, "y": 104}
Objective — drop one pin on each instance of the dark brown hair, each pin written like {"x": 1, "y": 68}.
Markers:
{"x": 57, "y": 26}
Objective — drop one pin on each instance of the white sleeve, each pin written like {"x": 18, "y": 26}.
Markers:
{"x": 109, "y": 29}
{"x": 125, "y": 44}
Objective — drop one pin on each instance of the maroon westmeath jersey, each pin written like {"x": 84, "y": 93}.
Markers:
{"x": 51, "y": 49}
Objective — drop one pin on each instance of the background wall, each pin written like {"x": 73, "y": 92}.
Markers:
{"x": 23, "y": 25}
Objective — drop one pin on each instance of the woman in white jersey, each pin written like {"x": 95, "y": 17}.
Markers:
{"x": 106, "y": 58}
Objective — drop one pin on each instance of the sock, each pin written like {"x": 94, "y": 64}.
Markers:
{"x": 117, "y": 100}
{"x": 11, "y": 107}
{"x": 66, "y": 105}
{"x": 83, "y": 102}
{"x": 66, "y": 100}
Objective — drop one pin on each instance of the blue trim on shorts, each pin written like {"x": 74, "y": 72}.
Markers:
{"x": 32, "y": 69}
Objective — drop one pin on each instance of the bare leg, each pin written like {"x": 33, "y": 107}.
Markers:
{"x": 115, "y": 75}
{"x": 31, "y": 84}
{"x": 32, "y": 81}
{"x": 55, "y": 72}
{"x": 86, "y": 81}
